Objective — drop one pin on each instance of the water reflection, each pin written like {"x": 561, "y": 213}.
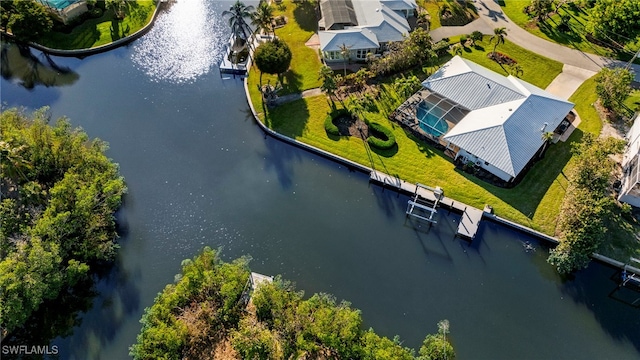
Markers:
{"x": 21, "y": 66}
{"x": 184, "y": 43}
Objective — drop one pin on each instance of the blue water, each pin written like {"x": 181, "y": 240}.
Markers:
{"x": 60, "y": 4}
{"x": 200, "y": 172}
{"x": 429, "y": 121}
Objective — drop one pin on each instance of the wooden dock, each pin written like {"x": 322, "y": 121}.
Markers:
{"x": 469, "y": 223}
{"x": 471, "y": 217}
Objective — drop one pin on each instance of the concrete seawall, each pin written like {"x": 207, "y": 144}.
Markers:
{"x": 366, "y": 169}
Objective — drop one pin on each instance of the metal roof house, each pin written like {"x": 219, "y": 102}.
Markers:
{"x": 363, "y": 26}
{"x": 494, "y": 121}
{"x": 630, "y": 187}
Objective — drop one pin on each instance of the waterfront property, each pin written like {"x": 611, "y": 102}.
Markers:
{"x": 630, "y": 187}
{"x": 483, "y": 119}
{"x": 362, "y": 26}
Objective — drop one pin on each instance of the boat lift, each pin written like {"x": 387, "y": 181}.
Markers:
{"x": 632, "y": 277}
{"x": 424, "y": 207}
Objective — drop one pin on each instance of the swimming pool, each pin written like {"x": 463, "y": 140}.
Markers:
{"x": 60, "y": 4}
{"x": 430, "y": 121}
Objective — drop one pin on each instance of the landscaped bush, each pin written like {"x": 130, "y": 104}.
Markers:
{"x": 501, "y": 58}
{"x": 329, "y": 126}
{"x": 381, "y": 137}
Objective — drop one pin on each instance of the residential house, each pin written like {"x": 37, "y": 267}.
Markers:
{"x": 630, "y": 185}
{"x": 362, "y": 26}
{"x": 495, "y": 122}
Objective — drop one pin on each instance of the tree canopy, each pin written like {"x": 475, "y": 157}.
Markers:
{"x": 587, "y": 204}
{"x": 26, "y": 19}
{"x": 59, "y": 194}
{"x": 615, "y": 19}
{"x": 207, "y": 307}
{"x": 273, "y": 57}
{"x": 613, "y": 87}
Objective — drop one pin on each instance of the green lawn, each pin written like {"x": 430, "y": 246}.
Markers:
{"x": 103, "y": 30}
{"x": 633, "y": 100}
{"x": 305, "y": 62}
{"x": 549, "y": 29}
{"x": 433, "y": 9}
{"x": 538, "y": 70}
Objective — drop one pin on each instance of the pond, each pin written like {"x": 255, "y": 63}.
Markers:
{"x": 200, "y": 172}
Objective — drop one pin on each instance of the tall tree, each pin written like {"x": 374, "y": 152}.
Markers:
{"x": 345, "y": 53}
{"x": 499, "y": 34}
{"x": 615, "y": 19}
{"x": 27, "y": 19}
{"x": 539, "y": 10}
{"x": 262, "y": 18}
{"x": 613, "y": 87}
{"x": 273, "y": 57}
{"x": 238, "y": 13}
{"x": 328, "y": 86}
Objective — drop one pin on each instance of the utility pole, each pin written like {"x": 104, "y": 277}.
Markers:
{"x": 631, "y": 61}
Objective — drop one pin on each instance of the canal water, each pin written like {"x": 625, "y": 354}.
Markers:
{"x": 201, "y": 173}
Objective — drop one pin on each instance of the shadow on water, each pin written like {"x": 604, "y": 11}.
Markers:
{"x": 280, "y": 157}
{"x": 586, "y": 288}
{"x": 19, "y": 64}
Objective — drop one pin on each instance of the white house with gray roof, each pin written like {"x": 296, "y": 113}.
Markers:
{"x": 494, "y": 121}
{"x": 362, "y": 26}
{"x": 630, "y": 185}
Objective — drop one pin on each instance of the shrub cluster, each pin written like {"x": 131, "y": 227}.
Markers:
{"x": 329, "y": 126}
{"x": 381, "y": 137}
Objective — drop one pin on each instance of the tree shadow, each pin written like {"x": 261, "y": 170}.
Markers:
{"x": 589, "y": 287}
{"x": 538, "y": 177}
{"x": 288, "y": 119}
{"x": 387, "y": 153}
{"x": 18, "y": 62}
{"x": 291, "y": 82}
{"x": 305, "y": 15}
{"x": 423, "y": 147}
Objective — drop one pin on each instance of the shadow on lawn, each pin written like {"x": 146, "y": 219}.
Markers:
{"x": 527, "y": 195}
{"x": 288, "y": 119}
{"x": 305, "y": 15}
{"x": 291, "y": 82}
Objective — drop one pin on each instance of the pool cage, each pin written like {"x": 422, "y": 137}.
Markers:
{"x": 436, "y": 115}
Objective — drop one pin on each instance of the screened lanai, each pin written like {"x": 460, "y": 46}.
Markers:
{"x": 436, "y": 114}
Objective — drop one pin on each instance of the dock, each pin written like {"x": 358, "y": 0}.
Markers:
{"x": 469, "y": 223}
{"x": 471, "y": 217}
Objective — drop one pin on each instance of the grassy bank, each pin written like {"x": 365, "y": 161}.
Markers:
{"x": 103, "y": 30}
{"x": 535, "y": 202}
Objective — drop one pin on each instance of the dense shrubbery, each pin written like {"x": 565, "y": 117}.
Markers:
{"x": 587, "y": 204}
{"x": 204, "y": 308}
{"x": 59, "y": 193}
{"x": 414, "y": 50}
{"x": 329, "y": 126}
{"x": 380, "y": 136}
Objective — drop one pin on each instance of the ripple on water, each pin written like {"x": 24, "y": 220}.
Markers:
{"x": 187, "y": 40}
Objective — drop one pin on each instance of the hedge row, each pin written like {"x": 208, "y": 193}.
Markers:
{"x": 381, "y": 137}
{"x": 329, "y": 126}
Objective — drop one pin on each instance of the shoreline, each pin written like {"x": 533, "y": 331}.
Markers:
{"x": 98, "y": 49}
{"x": 365, "y": 169}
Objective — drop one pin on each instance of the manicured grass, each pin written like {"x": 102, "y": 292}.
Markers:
{"x": 434, "y": 10}
{"x": 305, "y": 62}
{"x": 103, "y": 30}
{"x": 633, "y": 100}
{"x": 549, "y": 29}
{"x": 537, "y": 70}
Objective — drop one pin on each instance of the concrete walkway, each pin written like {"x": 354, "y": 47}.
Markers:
{"x": 491, "y": 16}
{"x": 293, "y": 97}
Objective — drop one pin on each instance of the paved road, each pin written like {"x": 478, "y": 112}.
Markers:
{"x": 491, "y": 16}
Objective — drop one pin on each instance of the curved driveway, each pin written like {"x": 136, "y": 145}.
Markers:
{"x": 491, "y": 16}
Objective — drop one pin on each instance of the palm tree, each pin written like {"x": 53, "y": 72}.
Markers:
{"x": 237, "y": 13}
{"x": 456, "y": 49}
{"x": 262, "y": 18}
{"x": 328, "y": 81}
{"x": 547, "y": 137}
{"x": 498, "y": 34}
{"x": 345, "y": 52}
